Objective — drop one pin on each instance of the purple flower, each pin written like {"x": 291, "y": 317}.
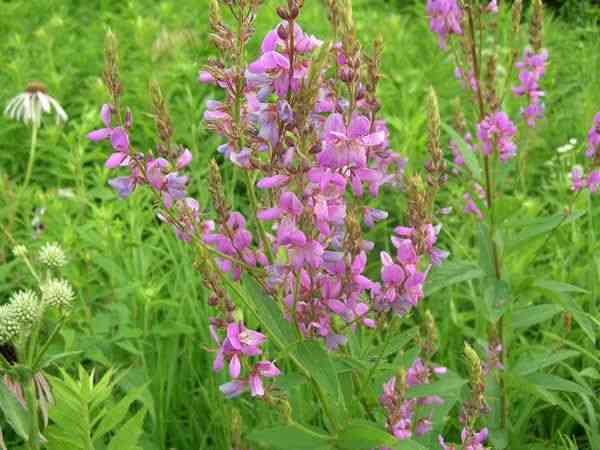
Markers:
{"x": 531, "y": 70}
{"x": 263, "y": 369}
{"x": 471, "y": 207}
{"x": 347, "y": 146}
{"x": 445, "y": 18}
{"x": 594, "y": 137}
{"x": 497, "y": 131}
{"x": 118, "y": 136}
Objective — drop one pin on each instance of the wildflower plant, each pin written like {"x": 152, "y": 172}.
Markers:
{"x": 29, "y": 108}
{"x": 289, "y": 280}
{"x": 297, "y": 288}
{"x": 29, "y": 322}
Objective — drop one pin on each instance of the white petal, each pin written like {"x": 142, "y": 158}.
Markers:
{"x": 43, "y": 98}
{"x": 60, "y": 112}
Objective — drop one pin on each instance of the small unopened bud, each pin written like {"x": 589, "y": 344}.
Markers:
{"x": 491, "y": 96}
{"x": 282, "y": 32}
{"x": 536, "y": 29}
{"x": 52, "y": 255}
{"x": 433, "y": 116}
{"x": 19, "y": 251}
{"x": 281, "y": 12}
{"x": 475, "y": 370}
{"x": 215, "y": 187}
{"x": 517, "y": 13}
{"x": 57, "y": 293}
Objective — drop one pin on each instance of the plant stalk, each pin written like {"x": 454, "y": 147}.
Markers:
{"x": 34, "y": 131}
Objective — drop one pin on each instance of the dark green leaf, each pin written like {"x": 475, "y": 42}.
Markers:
{"x": 364, "y": 435}
{"x": 450, "y": 273}
{"x": 292, "y": 437}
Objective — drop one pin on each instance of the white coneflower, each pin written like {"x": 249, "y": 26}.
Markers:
{"x": 57, "y": 293}
{"x": 29, "y": 106}
{"x": 52, "y": 255}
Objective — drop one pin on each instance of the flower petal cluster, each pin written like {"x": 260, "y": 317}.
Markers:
{"x": 403, "y": 418}
{"x": 470, "y": 439}
{"x": 531, "y": 69}
{"x": 496, "y": 132}
{"x": 29, "y": 106}
{"x": 579, "y": 179}
{"x": 236, "y": 349}
{"x": 445, "y": 19}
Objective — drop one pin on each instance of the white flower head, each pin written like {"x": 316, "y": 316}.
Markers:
{"x": 57, "y": 293}
{"x": 9, "y": 327}
{"x": 52, "y": 255}
{"x": 29, "y": 106}
{"x": 26, "y": 309}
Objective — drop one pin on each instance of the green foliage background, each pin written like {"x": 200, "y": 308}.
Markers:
{"x": 141, "y": 307}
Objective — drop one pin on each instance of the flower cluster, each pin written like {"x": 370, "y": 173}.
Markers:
{"x": 470, "y": 440}
{"x": 591, "y": 180}
{"x": 496, "y": 132}
{"x": 445, "y": 19}
{"x": 314, "y": 153}
{"x": 403, "y": 418}
{"x": 236, "y": 348}
{"x": 531, "y": 69}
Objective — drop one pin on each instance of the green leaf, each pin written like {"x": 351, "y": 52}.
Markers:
{"x": 448, "y": 384}
{"x": 269, "y": 313}
{"x": 15, "y": 415}
{"x": 529, "y": 363}
{"x": 317, "y": 362}
{"x": 128, "y": 435}
{"x": 469, "y": 156}
{"x": 559, "y": 293}
{"x": 450, "y": 273}
{"x": 559, "y": 287}
{"x": 118, "y": 413}
{"x": 364, "y": 435}
{"x": 534, "y": 228}
{"x": 293, "y": 437}
{"x": 556, "y": 383}
{"x": 497, "y": 296}
{"x": 532, "y": 315}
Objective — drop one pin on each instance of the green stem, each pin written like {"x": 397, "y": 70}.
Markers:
{"x": 34, "y": 130}
{"x": 259, "y": 223}
{"x": 33, "y": 442}
{"x": 490, "y": 188}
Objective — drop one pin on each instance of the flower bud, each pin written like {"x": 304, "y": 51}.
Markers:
{"x": 52, "y": 255}
{"x": 282, "y": 32}
{"x": 9, "y": 327}
{"x": 536, "y": 29}
{"x": 19, "y": 251}
{"x": 57, "y": 293}
{"x": 26, "y": 309}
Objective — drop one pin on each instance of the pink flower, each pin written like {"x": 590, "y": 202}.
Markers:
{"x": 118, "y": 136}
{"x": 445, "y": 18}
{"x": 497, "y": 131}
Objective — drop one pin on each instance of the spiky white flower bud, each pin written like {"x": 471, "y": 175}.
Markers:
{"x": 52, "y": 255}
{"x": 57, "y": 293}
{"x": 26, "y": 309}
{"x": 9, "y": 327}
{"x": 20, "y": 251}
